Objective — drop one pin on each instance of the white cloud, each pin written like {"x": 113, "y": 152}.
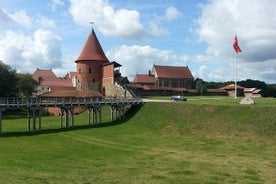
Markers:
{"x": 44, "y": 22}
{"x": 56, "y": 3}
{"x": 22, "y": 18}
{"x": 122, "y": 23}
{"x": 255, "y": 24}
{"x": 172, "y": 13}
{"x": 5, "y": 19}
{"x": 26, "y": 53}
{"x": 140, "y": 59}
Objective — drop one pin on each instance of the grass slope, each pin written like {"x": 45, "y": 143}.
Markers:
{"x": 157, "y": 143}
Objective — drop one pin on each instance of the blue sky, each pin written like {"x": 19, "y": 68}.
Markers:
{"x": 139, "y": 33}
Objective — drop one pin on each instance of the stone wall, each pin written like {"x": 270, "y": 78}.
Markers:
{"x": 117, "y": 91}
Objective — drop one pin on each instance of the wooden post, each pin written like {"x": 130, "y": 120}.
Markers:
{"x": 72, "y": 116}
{"x": 34, "y": 119}
{"x": 100, "y": 113}
{"x": 0, "y": 121}
{"x": 89, "y": 116}
{"x": 67, "y": 118}
{"x": 61, "y": 118}
{"x": 39, "y": 120}
{"x": 29, "y": 120}
{"x": 94, "y": 113}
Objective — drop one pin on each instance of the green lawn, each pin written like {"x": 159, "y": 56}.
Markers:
{"x": 193, "y": 142}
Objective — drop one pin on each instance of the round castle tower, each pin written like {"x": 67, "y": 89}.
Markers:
{"x": 89, "y": 65}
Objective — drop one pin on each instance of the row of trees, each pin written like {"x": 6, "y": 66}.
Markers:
{"x": 13, "y": 84}
{"x": 268, "y": 90}
{"x": 22, "y": 85}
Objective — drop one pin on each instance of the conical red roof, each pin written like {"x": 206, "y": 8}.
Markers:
{"x": 92, "y": 50}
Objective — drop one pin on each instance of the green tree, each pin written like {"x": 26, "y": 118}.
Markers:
{"x": 8, "y": 81}
{"x": 25, "y": 85}
{"x": 201, "y": 86}
{"x": 124, "y": 80}
{"x": 249, "y": 83}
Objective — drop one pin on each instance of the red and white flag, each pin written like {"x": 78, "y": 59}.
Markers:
{"x": 236, "y": 45}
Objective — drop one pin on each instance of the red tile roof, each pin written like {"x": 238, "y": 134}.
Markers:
{"x": 216, "y": 91}
{"x": 72, "y": 93}
{"x": 50, "y": 81}
{"x": 143, "y": 78}
{"x": 231, "y": 87}
{"x": 43, "y": 73}
{"x": 173, "y": 72}
{"x": 92, "y": 50}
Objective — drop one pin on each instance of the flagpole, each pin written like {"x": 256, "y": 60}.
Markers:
{"x": 235, "y": 75}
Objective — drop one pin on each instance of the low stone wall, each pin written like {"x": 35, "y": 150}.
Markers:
{"x": 117, "y": 92}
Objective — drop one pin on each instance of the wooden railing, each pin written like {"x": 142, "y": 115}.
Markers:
{"x": 18, "y": 103}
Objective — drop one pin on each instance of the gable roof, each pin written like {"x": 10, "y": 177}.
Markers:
{"x": 39, "y": 73}
{"x": 48, "y": 78}
{"x": 92, "y": 50}
{"x": 72, "y": 93}
{"x": 172, "y": 72}
{"x": 143, "y": 78}
{"x": 49, "y": 81}
{"x": 231, "y": 87}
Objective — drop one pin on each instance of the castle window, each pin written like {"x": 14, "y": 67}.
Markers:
{"x": 79, "y": 71}
{"x": 90, "y": 71}
{"x": 93, "y": 80}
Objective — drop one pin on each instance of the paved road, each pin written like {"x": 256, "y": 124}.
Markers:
{"x": 151, "y": 100}
{"x": 203, "y": 98}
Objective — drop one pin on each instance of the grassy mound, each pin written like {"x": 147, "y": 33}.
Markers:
{"x": 213, "y": 121}
{"x": 156, "y": 143}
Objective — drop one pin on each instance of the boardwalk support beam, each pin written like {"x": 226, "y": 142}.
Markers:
{"x": 96, "y": 112}
{"x": 117, "y": 111}
{"x": 34, "y": 112}
{"x": 67, "y": 112}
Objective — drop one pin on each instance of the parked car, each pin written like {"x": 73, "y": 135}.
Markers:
{"x": 178, "y": 98}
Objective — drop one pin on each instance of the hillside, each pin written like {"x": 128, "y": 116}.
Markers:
{"x": 216, "y": 121}
{"x": 156, "y": 143}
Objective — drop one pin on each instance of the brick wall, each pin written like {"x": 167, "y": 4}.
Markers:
{"x": 89, "y": 75}
{"x": 108, "y": 77}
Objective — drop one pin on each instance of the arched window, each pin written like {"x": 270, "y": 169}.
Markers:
{"x": 90, "y": 71}
{"x": 79, "y": 71}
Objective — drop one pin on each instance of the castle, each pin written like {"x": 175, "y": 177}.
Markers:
{"x": 95, "y": 76}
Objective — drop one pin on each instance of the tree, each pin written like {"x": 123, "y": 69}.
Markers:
{"x": 124, "y": 80}
{"x": 8, "y": 81}
{"x": 201, "y": 86}
{"x": 25, "y": 85}
{"x": 249, "y": 83}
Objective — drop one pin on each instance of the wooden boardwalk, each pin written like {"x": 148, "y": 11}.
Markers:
{"x": 35, "y": 106}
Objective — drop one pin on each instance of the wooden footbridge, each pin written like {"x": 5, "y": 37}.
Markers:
{"x": 35, "y": 107}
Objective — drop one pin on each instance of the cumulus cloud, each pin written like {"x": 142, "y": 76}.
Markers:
{"x": 5, "y": 19}
{"x": 56, "y": 3}
{"x": 44, "y": 22}
{"x": 140, "y": 59}
{"x": 172, "y": 13}
{"x": 26, "y": 53}
{"x": 253, "y": 21}
{"x": 121, "y": 23}
{"x": 21, "y": 18}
